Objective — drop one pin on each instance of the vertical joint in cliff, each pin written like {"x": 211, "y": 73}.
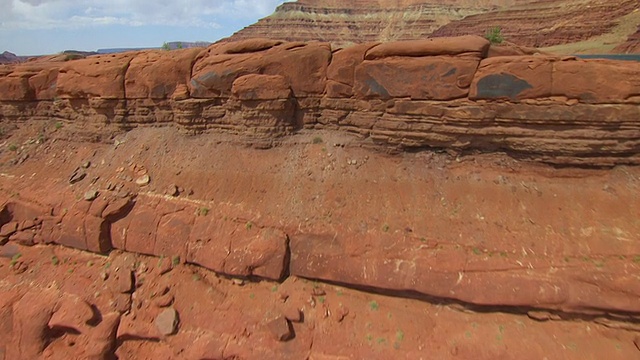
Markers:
{"x": 286, "y": 262}
{"x": 124, "y": 79}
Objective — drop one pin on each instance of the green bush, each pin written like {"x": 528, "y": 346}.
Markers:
{"x": 494, "y": 35}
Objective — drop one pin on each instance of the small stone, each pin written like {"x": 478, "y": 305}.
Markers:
{"x": 77, "y": 176}
{"x": 543, "y": 316}
{"x": 123, "y": 281}
{"x": 283, "y": 296}
{"x": 238, "y": 282}
{"x": 163, "y": 301}
{"x": 9, "y": 250}
{"x": 72, "y": 313}
{"x": 341, "y": 313}
{"x": 27, "y": 224}
{"x": 104, "y": 275}
{"x": 292, "y": 313}
{"x": 19, "y": 267}
{"x": 25, "y": 238}
{"x": 167, "y": 321}
{"x": 8, "y": 229}
{"x": 91, "y": 195}
{"x": 86, "y": 165}
{"x": 280, "y": 329}
{"x": 164, "y": 265}
{"x": 143, "y": 180}
{"x": 172, "y": 190}
{"x": 318, "y": 292}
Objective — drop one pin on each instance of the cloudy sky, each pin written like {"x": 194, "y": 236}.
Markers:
{"x": 33, "y": 27}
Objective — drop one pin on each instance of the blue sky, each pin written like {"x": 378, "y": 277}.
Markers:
{"x": 34, "y": 27}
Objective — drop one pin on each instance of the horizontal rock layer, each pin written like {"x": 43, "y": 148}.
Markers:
{"x": 344, "y": 23}
{"x": 414, "y": 94}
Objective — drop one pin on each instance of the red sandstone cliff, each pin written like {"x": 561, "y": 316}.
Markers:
{"x": 322, "y": 164}
{"x": 537, "y": 23}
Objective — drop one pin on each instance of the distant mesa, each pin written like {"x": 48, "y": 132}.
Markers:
{"x": 173, "y": 45}
{"x": 66, "y": 55}
{"x": 11, "y": 58}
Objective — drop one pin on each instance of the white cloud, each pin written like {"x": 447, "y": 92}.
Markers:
{"x": 70, "y": 14}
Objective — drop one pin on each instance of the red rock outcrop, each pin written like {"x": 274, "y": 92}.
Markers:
{"x": 415, "y": 94}
{"x": 313, "y": 196}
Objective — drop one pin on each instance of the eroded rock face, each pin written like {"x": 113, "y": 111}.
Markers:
{"x": 632, "y": 45}
{"x": 436, "y": 93}
{"x": 526, "y": 22}
{"x": 407, "y": 94}
{"x": 541, "y": 23}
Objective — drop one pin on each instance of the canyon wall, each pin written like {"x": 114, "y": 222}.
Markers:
{"x": 598, "y": 26}
{"x": 429, "y": 94}
{"x": 436, "y": 93}
{"x": 356, "y": 22}
{"x": 547, "y": 23}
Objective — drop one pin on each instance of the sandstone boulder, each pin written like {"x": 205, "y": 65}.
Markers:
{"x": 167, "y": 322}
{"x": 341, "y": 71}
{"x": 259, "y": 253}
{"x": 424, "y": 78}
{"x": 71, "y": 313}
{"x": 468, "y": 44}
{"x": 303, "y": 65}
{"x": 157, "y": 74}
{"x": 15, "y": 87}
{"x": 597, "y": 81}
{"x": 393, "y": 263}
{"x": 29, "y": 81}
{"x": 261, "y": 87}
{"x": 529, "y": 77}
{"x": 44, "y": 81}
{"x": 280, "y": 329}
{"x": 513, "y": 78}
{"x": 249, "y": 46}
{"x": 96, "y": 76}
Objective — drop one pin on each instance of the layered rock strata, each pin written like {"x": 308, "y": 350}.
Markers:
{"x": 429, "y": 94}
{"x": 342, "y": 23}
{"x": 546, "y": 23}
{"x": 537, "y": 23}
{"x": 437, "y": 93}
{"x": 632, "y": 45}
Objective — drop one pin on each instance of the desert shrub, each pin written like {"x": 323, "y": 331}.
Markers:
{"x": 494, "y": 35}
